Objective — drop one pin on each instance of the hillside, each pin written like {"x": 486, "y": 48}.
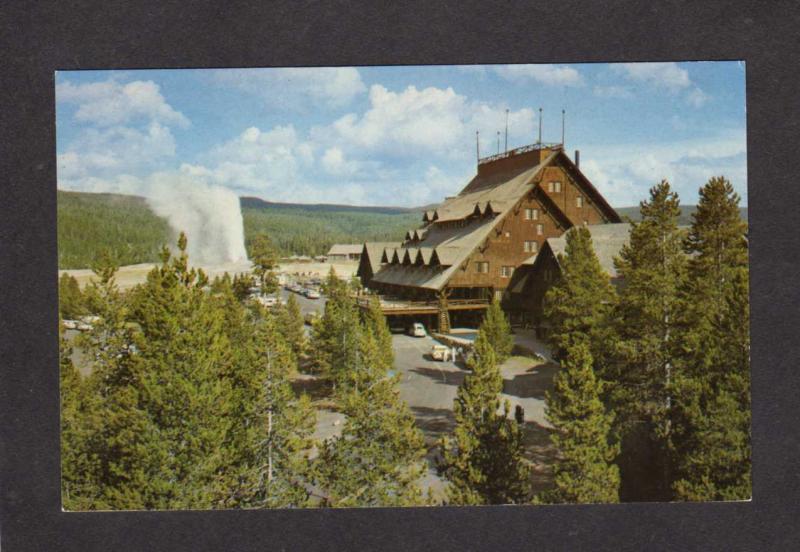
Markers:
{"x": 124, "y": 225}
{"x": 684, "y": 219}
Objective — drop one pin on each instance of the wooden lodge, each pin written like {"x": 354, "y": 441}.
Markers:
{"x": 469, "y": 248}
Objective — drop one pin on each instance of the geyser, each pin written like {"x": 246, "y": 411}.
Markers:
{"x": 211, "y": 216}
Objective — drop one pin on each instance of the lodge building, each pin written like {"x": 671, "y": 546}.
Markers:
{"x": 469, "y": 248}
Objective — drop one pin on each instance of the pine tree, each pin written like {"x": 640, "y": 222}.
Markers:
{"x": 498, "y": 331}
{"x": 71, "y": 303}
{"x": 277, "y": 473}
{"x": 264, "y": 257}
{"x": 293, "y": 327}
{"x": 241, "y": 286}
{"x": 379, "y": 457}
{"x": 714, "y": 385}
{"x": 375, "y": 322}
{"x": 584, "y": 471}
{"x": 483, "y": 459}
{"x": 335, "y": 334}
{"x": 578, "y": 306}
{"x": 653, "y": 266}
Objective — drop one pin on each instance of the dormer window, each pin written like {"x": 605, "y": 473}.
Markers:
{"x": 579, "y": 201}
{"x": 554, "y": 186}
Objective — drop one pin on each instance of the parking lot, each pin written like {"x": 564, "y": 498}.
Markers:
{"x": 429, "y": 387}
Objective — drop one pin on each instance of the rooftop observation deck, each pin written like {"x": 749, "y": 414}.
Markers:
{"x": 395, "y": 306}
{"x": 520, "y": 150}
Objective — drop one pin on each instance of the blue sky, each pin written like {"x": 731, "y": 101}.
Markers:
{"x": 400, "y": 136}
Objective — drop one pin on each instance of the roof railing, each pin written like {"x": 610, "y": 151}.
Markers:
{"x": 517, "y": 151}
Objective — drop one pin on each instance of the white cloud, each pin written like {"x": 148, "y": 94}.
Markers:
{"x": 612, "y": 91}
{"x": 291, "y": 86}
{"x": 334, "y": 163}
{"x": 667, "y": 76}
{"x": 697, "y": 98}
{"x": 106, "y": 152}
{"x": 559, "y": 75}
{"x": 110, "y": 103}
{"x": 433, "y": 121}
{"x": 662, "y": 75}
{"x": 624, "y": 173}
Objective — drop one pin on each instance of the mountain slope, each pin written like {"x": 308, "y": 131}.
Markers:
{"x": 685, "y": 217}
{"x": 89, "y": 223}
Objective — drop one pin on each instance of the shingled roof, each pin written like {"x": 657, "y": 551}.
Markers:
{"x": 607, "y": 241}
{"x": 438, "y": 249}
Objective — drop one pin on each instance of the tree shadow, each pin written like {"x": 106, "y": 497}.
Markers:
{"x": 445, "y": 377}
{"x": 541, "y": 453}
{"x": 434, "y": 421}
{"x": 315, "y": 387}
{"x": 534, "y": 383}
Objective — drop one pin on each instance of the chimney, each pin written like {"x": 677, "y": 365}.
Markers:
{"x": 578, "y": 158}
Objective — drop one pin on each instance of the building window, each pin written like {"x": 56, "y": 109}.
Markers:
{"x": 531, "y": 214}
{"x": 482, "y": 267}
{"x": 554, "y": 186}
{"x": 579, "y": 201}
{"x": 585, "y": 222}
{"x": 531, "y": 247}
{"x": 508, "y": 234}
{"x": 539, "y": 229}
{"x": 506, "y": 271}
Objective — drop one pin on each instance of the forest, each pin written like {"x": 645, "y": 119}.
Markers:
{"x": 126, "y": 228}
{"x": 190, "y": 402}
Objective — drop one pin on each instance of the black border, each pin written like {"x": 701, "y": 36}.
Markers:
{"x": 38, "y": 38}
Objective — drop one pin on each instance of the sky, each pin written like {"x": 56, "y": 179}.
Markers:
{"x": 397, "y": 135}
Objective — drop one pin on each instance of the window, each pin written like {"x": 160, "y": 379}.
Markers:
{"x": 506, "y": 271}
{"x": 531, "y": 214}
{"x": 579, "y": 201}
{"x": 482, "y": 267}
{"x": 508, "y": 234}
{"x": 554, "y": 186}
{"x": 539, "y": 229}
{"x": 531, "y": 247}
{"x": 585, "y": 222}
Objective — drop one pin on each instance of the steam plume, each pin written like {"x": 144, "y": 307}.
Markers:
{"x": 210, "y": 216}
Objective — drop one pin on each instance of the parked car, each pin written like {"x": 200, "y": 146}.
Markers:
{"x": 440, "y": 352}
{"x": 417, "y": 330}
{"x": 268, "y": 301}
{"x": 312, "y": 294}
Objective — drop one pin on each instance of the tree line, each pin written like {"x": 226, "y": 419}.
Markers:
{"x": 653, "y": 398}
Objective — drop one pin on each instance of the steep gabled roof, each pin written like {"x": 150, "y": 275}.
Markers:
{"x": 442, "y": 248}
{"x": 375, "y": 253}
{"x": 607, "y": 242}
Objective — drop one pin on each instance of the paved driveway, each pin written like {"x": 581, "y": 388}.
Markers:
{"x": 429, "y": 387}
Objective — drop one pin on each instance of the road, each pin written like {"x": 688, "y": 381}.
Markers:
{"x": 429, "y": 387}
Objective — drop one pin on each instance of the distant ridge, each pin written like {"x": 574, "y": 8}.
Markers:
{"x": 258, "y": 203}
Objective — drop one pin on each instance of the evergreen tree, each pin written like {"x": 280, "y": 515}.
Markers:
{"x": 653, "y": 266}
{"x": 277, "y": 473}
{"x": 379, "y": 457}
{"x": 483, "y": 459}
{"x": 241, "y": 286}
{"x": 70, "y": 299}
{"x": 293, "y": 327}
{"x": 578, "y": 305}
{"x": 264, "y": 257}
{"x": 584, "y": 471}
{"x": 498, "y": 331}
{"x": 375, "y": 322}
{"x": 714, "y": 384}
{"x": 335, "y": 334}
